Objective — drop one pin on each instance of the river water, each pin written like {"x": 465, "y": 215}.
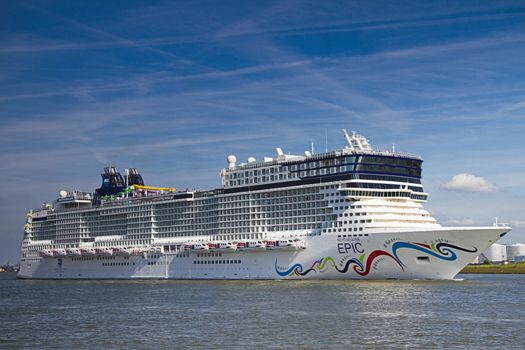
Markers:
{"x": 477, "y": 312}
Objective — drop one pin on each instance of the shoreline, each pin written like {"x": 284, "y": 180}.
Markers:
{"x": 510, "y": 268}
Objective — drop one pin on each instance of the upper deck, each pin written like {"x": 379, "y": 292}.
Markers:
{"x": 357, "y": 162}
{"x": 356, "y": 158}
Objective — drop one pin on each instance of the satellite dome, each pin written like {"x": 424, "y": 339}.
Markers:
{"x": 63, "y": 194}
{"x": 251, "y": 159}
{"x": 231, "y": 160}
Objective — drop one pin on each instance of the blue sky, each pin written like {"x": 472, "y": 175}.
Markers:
{"x": 174, "y": 87}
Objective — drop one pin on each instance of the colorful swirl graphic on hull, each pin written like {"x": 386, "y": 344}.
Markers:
{"x": 363, "y": 265}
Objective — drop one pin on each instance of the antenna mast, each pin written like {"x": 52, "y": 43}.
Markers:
{"x": 350, "y": 145}
{"x": 326, "y": 140}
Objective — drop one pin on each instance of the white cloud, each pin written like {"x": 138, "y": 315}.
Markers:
{"x": 469, "y": 183}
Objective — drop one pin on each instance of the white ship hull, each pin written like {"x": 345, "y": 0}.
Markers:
{"x": 425, "y": 254}
{"x": 353, "y": 213}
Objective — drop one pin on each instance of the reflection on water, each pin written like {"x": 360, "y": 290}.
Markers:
{"x": 480, "y": 311}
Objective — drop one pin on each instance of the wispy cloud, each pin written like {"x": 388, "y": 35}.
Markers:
{"x": 517, "y": 223}
{"x": 104, "y": 40}
{"x": 465, "y": 221}
{"x": 144, "y": 83}
{"x": 356, "y": 26}
{"x": 171, "y": 145}
{"x": 499, "y": 39}
{"x": 36, "y": 45}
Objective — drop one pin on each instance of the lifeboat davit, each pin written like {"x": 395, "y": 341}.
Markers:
{"x": 104, "y": 251}
{"x": 154, "y": 250}
{"x": 300, "y": 244}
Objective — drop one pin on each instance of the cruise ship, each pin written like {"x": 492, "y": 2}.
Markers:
{"x": 352, "y": 213}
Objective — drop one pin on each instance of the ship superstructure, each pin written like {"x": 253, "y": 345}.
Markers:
{"x": 350, "y": 213}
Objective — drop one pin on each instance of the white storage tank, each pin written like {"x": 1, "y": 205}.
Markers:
{"x": 495, "y": 253}
{"x": 514, "y": 250}
{"x": 477, "y": 260}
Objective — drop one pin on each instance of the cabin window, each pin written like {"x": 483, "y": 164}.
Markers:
{"x": 423, "y": 260}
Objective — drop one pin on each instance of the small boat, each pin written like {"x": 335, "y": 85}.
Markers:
{"x": 59, "y": 253}
{"x": 289, "y": 244}
{"x": 226, "y": 246}
{"x": 136, "y": 251}
{"x": 197, "y": 247}
{"x": 270, "y": 244}
{"x": 103, "y": 251}
{"x": 73, "y": 252}
{"x": 88, "y": 251}
{"x": 123, "y": 251}
{"x": 254, "y": 245}
{"x": 45, "y": 253}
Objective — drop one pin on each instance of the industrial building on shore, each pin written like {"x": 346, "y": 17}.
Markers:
{"x": 500, "y": 253}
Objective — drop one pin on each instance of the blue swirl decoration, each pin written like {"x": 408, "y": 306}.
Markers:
{"x": 441, "y": 250}
{"x": 295, "y": 268}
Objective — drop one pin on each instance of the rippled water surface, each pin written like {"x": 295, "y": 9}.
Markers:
{"x": 480, "y": 311}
